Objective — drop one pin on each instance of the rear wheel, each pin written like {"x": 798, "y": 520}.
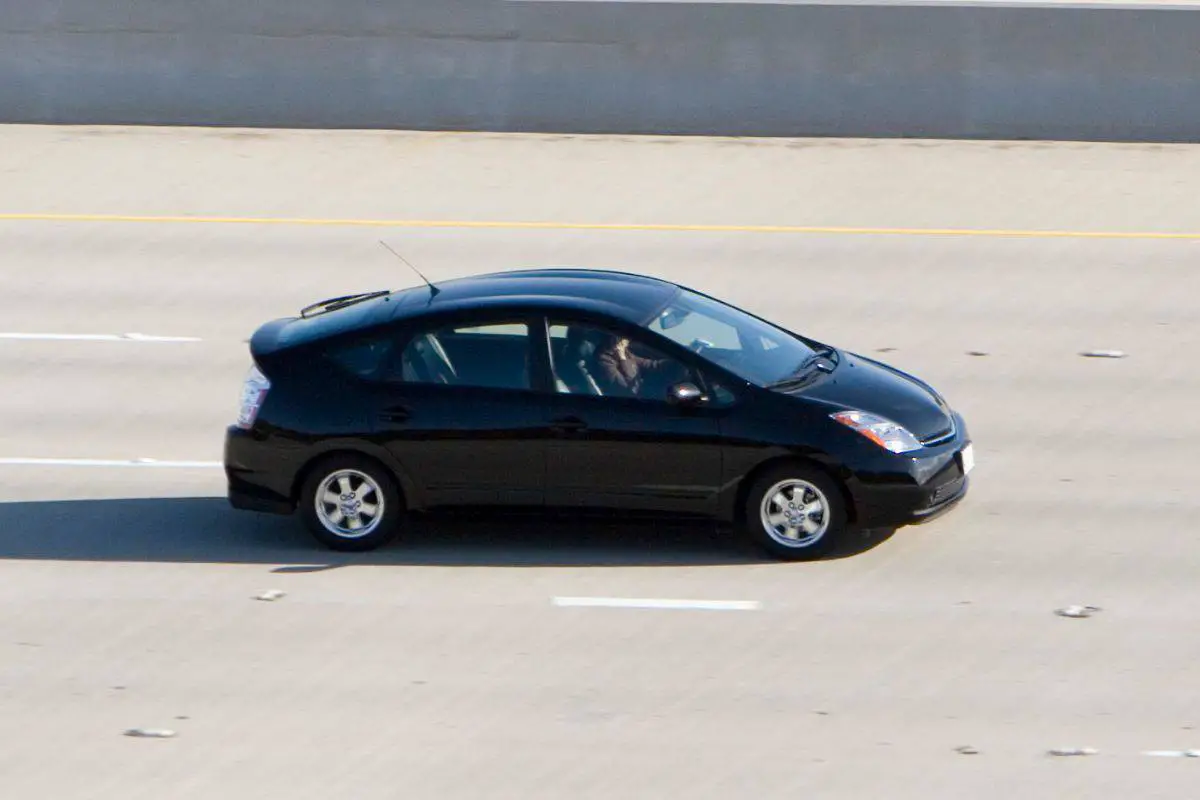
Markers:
{"x": 794, "y": 512}
{"x": 351, "y": 503}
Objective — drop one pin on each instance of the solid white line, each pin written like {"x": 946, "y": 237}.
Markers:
{"x": 99, "y": 462}
{"x": 630, "y": 602}
{"x": 1068, "y": 4}
{"x": 94, "y": 337}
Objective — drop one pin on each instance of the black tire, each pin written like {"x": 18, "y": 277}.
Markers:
{"x": 816, "y": 485}
{"x": 355, "y": 468}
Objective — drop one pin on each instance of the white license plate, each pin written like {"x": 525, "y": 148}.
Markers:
{"x": 968, "y": 459}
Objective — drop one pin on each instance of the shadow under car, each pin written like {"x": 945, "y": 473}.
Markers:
{"x": 206, "y": 530}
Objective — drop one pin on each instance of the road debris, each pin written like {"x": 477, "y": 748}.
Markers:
{"x": 1072, "y": 751}
{"x": 977, "y": 353}
{"x": 270, "y": 595}
{"x": 966, "y": 750}
{"x": 1103, "y": 354}
{"x": 150, "y": 733}
{"x": 1077, "y": 611}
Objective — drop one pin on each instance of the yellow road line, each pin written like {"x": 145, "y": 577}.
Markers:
{"x": 596, "y": 226}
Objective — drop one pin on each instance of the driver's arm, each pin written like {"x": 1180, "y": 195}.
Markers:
{"x": 610, "y": 376}
{"x": 647, "y": 363}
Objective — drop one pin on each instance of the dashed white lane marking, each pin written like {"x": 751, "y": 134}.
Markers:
{"x": 650, "y": 602}
{"x": 100, "y": 462}
{"x": 1173, "y": 753}
{"x": 94, "y": 337}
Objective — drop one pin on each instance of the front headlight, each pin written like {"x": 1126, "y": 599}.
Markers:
{"x": 883, "y": 432}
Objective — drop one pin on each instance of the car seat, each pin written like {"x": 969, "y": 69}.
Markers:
{"x": 431, "y": 364}
{"x": 579, "y": 361}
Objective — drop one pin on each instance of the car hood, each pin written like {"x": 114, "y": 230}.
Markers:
{"x": 872, "y": 386}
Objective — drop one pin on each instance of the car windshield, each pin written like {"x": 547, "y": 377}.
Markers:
{"x": 748, "y": 347}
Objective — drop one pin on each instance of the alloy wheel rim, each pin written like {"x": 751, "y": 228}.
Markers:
{"x": 350, "y": 504}
{"x": 795, "y": 513}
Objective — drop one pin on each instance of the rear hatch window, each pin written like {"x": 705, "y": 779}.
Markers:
{"x": 289, "y": 332}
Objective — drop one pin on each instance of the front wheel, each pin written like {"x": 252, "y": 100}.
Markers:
{"x": 794, "y": 512}
{"x": 351, "y": 504}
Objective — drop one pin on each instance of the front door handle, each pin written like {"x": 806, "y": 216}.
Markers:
{"x": 565, "y": 424}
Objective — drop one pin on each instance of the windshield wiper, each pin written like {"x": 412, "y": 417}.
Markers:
{"x": 334, "y": 303}
{"x": 792, "y": 382}
{"x": 824, "y": 351}
{"x": 804, "y": 373}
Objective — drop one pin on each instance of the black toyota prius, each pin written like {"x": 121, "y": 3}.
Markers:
{"x": 581, "y": 389}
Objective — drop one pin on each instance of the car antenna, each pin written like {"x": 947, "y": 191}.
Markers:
{"x": 433, "y": 290}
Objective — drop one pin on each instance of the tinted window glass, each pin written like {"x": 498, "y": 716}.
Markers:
{"x": 593, "y": 361}
{"x": 492, "y": 356}
{"x": 361, "y": 358}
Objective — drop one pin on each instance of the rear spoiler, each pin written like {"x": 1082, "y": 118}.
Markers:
{"x": 265, "y": 340}
{"x": 319, "y": 320}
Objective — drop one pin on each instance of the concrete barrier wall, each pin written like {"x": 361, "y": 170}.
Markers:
{"x": 671, "y": 68}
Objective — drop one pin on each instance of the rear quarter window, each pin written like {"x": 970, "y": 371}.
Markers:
{"x": 360, "y": 358}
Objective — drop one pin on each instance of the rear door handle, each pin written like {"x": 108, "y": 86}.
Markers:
{"x": 568, "y": 424}
{"x": 395, "y": 414}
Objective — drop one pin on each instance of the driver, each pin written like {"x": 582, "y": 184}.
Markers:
{"x": 622, "y": 369}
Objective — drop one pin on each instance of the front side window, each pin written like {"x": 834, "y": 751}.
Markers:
{"x": 748, "y": 347}
{"x": 594, "y": 361}
{"x": 493, "y": 356}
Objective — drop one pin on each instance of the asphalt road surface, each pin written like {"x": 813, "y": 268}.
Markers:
{"x": 443, "y": 667}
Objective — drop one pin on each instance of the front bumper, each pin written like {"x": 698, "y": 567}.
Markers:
{"x": 942, "y": 500}
{"x": 901, "y": 491}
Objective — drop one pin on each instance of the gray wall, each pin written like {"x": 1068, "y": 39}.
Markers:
{"x": 731, "y": 69}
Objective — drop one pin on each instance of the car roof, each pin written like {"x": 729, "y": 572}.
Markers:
{"x": 625, "y": 295}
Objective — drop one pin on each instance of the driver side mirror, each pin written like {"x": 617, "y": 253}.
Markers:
{"x": 686, "y": 394}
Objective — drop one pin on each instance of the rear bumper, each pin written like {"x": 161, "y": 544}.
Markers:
{"x": 257, "y": 478}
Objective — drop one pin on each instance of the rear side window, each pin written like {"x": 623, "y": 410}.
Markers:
{"x": 492, "y": 356}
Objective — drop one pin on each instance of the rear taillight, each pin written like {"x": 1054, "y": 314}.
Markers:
{"x": 254, "y": 392}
